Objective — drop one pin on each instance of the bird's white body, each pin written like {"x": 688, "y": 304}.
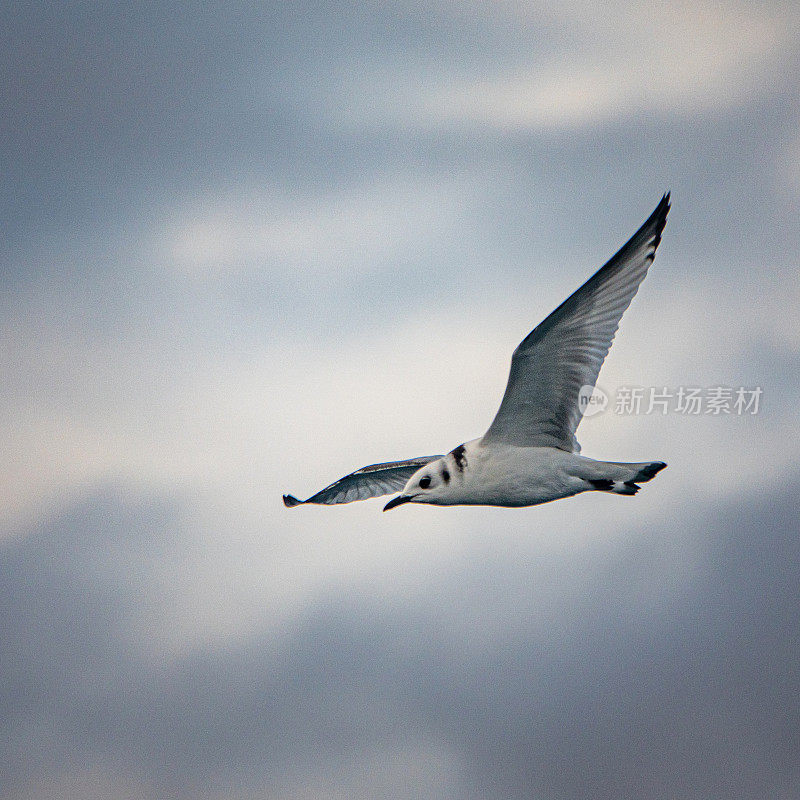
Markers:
{"x": 499, "y": 474}
{"x": 503, "y": 475}
{"x": 530, "y": 455}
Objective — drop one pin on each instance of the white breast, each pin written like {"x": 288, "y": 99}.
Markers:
{"x": 501, "y": 475}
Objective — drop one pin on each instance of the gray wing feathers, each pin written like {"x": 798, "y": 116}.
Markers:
{"x": 372, "y": 481}
{"x": 565, "y": 352}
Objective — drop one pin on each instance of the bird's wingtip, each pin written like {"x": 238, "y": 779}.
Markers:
{"x": 290, "y": 501}
{"x": 658, "y": 219}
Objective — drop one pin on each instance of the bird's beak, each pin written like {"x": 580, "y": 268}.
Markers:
{"x": 398, "y": 501}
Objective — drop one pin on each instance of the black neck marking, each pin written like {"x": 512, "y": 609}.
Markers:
{"x": 460, "y": 457}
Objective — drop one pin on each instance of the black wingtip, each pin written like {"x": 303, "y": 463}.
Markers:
{"x": 290, "y": 502}
{"x": 659, "y": 219}
{"x": 663, "y": 207}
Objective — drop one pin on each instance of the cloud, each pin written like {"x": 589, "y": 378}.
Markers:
{"x": 519, "y": 669}
{"x": 607, "y": 65}
{"x": 788, "y": 167}
{"x": 350, "y": 231}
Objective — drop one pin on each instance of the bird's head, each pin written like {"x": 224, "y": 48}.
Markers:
{"x": 427, "y": 485}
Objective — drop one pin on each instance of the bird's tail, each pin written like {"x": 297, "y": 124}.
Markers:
{"x": 621, "y": 478}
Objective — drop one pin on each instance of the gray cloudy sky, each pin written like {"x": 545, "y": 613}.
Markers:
{"x": 247, "y": 249}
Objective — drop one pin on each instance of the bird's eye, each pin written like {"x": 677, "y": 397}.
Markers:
{"x": 425, "y": 482}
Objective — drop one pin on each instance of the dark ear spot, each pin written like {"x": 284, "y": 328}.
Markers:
{"x": 424, "y": 482}
{"x": 445, "y": 476}
{"x": 460, "y": 457}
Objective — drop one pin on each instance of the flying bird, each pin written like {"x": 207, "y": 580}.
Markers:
{"x": 530, "y": 454}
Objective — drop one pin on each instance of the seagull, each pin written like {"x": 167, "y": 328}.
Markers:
{"x": 529, "y": 455}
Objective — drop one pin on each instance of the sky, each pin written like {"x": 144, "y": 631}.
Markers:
{"x": 249, "y": 248}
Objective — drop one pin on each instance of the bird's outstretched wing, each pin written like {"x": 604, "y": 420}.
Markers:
{"x": 372, "y": 481}
{"x": 565, "y": 352}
